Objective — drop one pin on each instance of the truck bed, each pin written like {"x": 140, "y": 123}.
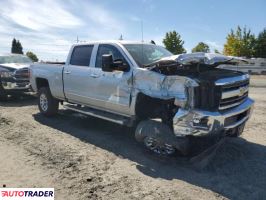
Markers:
{"x": 52, "y": 72}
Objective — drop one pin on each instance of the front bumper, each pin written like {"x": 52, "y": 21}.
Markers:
{"x": 200, "y": 122}
{"x": 15, "y": 86}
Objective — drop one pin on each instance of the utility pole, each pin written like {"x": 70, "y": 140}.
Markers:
{"x": 142, "y": 31}
{"x": 77, "y": 39}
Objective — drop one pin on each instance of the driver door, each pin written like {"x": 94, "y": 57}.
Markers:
{"x": 111, "y": 89}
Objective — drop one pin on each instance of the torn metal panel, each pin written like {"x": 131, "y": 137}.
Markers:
{"x": 211, "y": 59}
{"x": 160, "y": 86}
{"x": 206, "y": 58}
{"x": 149, "y": 83}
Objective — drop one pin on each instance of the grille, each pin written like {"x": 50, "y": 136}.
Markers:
{"x": 22, "y": 74}
{"x": 233, "y": 94}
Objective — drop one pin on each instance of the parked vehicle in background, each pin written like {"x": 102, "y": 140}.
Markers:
{"x": 171, "y": 98}
{"x": 14, "y": 75}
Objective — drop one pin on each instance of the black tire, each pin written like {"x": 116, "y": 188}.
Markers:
{"x": 47, "y": 104}
{"x": 3, "y": 95}
{"x": 236, "y": 132}
{"x": 156, "y": 136}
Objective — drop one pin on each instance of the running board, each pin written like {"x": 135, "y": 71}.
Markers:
{"x": 100, "y": 114}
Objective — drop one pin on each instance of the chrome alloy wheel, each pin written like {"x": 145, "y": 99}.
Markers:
{"x": 44, "y": 102}
{"x": 158, "y": 146}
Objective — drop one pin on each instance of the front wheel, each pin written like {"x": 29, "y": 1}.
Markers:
{"x": 237, "y": 131}
{"x": 156, "y": 136}
{"x": 47, "y": 104}
{"x": 159, "y": 146}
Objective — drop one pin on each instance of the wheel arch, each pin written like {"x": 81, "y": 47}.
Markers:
{"x": 42, "y": 82}
{"x": 151, "y": 107}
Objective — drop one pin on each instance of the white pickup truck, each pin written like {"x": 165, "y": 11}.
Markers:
{"x": 14, "y": 75}
{"x": 170, "y": 98}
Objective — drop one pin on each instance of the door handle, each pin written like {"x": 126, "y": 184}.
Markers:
{"x": 67, "y": 72}
{"x": 94, "y": 75}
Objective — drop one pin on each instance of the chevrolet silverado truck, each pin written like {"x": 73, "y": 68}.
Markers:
{"x": 14, "y": 75}
{"x": 168, "y": 98}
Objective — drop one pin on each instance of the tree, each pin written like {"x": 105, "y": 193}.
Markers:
{"x": 240, "y": 43}
{"x": 216, "y": 51}
{"x": 16, "y": 47}
{"x": 201, "y": 47}
{"x": 20, "y": 48}
{"x": 174, "y": 43}
{"x": 260, "y": 48}
{"x": 32, "y": 56}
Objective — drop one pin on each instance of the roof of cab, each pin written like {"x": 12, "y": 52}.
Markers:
{"x": 111, "y": 41}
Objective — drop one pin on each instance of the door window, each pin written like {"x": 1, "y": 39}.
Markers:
{"x": 108, "y": 49}
{"x": 81, "y": 55}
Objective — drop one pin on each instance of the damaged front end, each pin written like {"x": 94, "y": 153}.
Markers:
{"x": 207, "y": 100}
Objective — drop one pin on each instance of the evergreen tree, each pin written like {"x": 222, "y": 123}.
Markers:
{"x": 174, "y": 43}
{"x": 16, "y": 47}
{"x": 20, "y": 48}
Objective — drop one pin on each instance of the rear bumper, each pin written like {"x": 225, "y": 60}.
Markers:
{"x": 200, "y": 123}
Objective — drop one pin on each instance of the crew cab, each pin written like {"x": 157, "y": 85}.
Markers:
{"x": 168, "y": 98}
{"x": 14, "y": 75}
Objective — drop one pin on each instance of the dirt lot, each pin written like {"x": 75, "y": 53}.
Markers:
{"x": 87, "y": 158}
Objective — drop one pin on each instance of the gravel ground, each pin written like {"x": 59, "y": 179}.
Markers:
{"x": 87, "y": 158}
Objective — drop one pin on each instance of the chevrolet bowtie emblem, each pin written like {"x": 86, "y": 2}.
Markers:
{"x": 242, "y": 91}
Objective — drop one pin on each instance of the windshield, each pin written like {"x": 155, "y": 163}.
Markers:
{"x": 145, "y": 54}
{"x": 14, "y": 59}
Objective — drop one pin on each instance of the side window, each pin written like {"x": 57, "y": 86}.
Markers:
{"x": 81, "y": 55}
{"x": 107, "y": 49}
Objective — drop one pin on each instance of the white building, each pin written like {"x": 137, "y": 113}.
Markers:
{"x": 254, "y": 66}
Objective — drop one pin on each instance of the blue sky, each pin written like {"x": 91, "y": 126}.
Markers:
{"x": 49, "y": 27}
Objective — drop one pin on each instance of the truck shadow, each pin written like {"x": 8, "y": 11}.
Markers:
{"x": 234, "y": 168}
{"x": 15, "y": 101}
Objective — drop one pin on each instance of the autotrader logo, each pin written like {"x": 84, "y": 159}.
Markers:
{"x": 27, "y": 193}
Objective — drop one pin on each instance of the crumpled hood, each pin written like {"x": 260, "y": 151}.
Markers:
{"x": 15, "y": 66}
{"x": 212, "y": 59}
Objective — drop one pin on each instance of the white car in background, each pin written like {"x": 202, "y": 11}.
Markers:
{"x": 14, "y": 75}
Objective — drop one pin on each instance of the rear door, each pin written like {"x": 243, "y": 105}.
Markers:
{"x": 77, "y": 75}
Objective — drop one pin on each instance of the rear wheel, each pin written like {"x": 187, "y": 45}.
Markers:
{"x": 47, "y": 104}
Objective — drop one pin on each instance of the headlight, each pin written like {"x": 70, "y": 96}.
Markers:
{"x": 6, "y": 74}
